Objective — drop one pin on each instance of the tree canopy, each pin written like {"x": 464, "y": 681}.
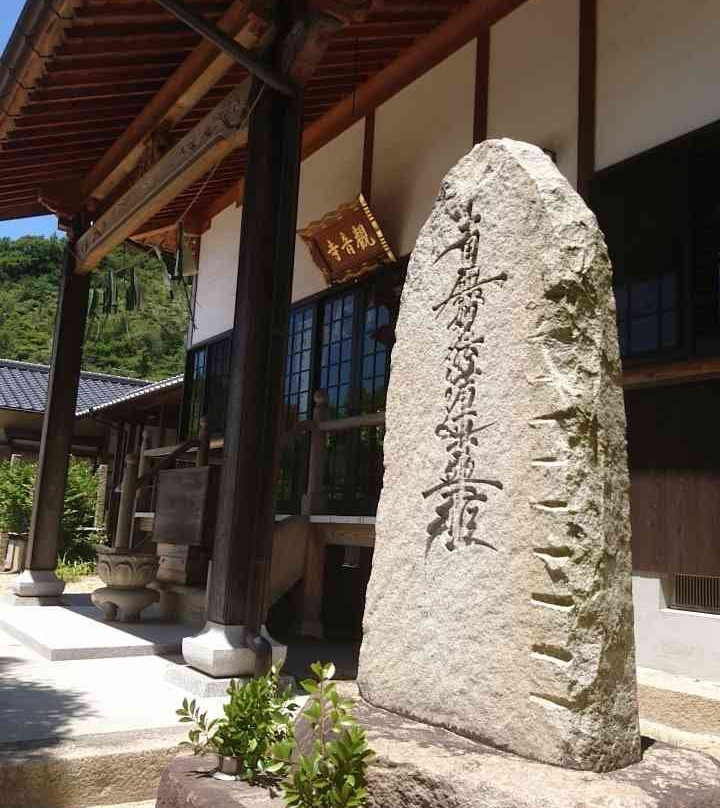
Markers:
{"x": 137, "y": 333}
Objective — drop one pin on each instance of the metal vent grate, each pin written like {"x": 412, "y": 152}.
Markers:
{"x": 700, "y": 593}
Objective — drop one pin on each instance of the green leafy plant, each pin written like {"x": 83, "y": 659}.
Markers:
{"x": 17, "y": 481}
{"x": 257, "y": 717}
{"x": 334, "y": 774}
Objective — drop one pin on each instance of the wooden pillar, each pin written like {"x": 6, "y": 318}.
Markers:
{"x": 58, "y": 423}
{"x": 366, "y": 182}
{"x": 313, "y": 500}
{"x": 587, "y": 96}
{"x": 482, "y": 86}
{"x": 242, "y": 552}
{"x": 243, "y": 540}
{"x": 312, "y": 586}
{"x": 126, "y": 509}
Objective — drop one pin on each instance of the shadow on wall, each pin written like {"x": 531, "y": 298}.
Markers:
{"x": 32, "y": 713}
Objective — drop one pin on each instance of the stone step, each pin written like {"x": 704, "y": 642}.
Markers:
{"x": 118, "y": 769}
{"x": 59, "y": 633}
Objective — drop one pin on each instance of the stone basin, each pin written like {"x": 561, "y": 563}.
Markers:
{"x": 126, "y": 574}
{"x": 123, "y": 568}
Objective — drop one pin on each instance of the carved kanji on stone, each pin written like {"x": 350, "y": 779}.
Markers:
{"x": 499, "y": 604}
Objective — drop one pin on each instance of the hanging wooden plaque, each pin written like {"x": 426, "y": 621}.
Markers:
{"x": 347, "y": 243}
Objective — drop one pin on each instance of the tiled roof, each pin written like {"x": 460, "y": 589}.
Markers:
{"x": 133, "y": 395}
{"x": 23, "y": 386}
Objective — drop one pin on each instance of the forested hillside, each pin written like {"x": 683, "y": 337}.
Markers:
{"x": 138, "y": 333}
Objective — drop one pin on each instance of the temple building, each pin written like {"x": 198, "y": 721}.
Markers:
{"x": 291, "y": 152}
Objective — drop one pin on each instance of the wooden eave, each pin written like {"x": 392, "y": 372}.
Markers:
{"x": 112, "y": 59}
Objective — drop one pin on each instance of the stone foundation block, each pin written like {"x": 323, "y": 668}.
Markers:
{"x": 222, "y": 651}
{"x": 38, "y": 584}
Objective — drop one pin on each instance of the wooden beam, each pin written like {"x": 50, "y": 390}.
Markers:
{"x": 209, "y": 142}
{"x": 227, "y": 44}
{"x": 417, "y": 60}
{"x": 482, "y": 86}
{"x": 655, "y": 374}
{"x": 587, "y": 96}
{"x": 249, "y": 23}
{"x": 222, "y": 131}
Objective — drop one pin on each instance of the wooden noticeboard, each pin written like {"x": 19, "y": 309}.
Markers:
{"x": 347, "y": 243}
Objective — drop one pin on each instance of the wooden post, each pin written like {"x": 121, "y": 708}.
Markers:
{"x": 203, "y": 453}
{"x": 126, "y": 511}
{"x": 246, "y": 520}
{"x": 482, "y": 85}
{"x": 39, "y": 578}
{"x": 587, "y": 96}
{"x": 101, "y": 496}
{"x": 314, "y": 498}
{"x": 242, "y": 551}
{"x": 312, "y": 586}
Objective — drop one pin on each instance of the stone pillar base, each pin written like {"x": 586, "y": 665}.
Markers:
{"x": 221, "y": 651}
{"x": 38, "y": 584}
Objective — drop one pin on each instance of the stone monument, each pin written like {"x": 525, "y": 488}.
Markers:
{"x": 499, "y": 604}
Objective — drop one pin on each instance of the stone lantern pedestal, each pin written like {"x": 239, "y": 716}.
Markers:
{"x": 126, "y": 574}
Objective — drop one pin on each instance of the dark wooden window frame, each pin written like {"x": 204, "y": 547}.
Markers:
{"x": 683, "y": 149}
{"x": 198, "y": 392}
{"x": 293, "y": 478}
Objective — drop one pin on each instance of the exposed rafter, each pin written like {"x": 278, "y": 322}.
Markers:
{"x": 227, "y": 45}
{"x": 205, "y": 146}
{"x": 250, "y": 24}
{"x": 458, "y": 30}
{"x": 37, "y": 34}
{"x": 116, "y": 58}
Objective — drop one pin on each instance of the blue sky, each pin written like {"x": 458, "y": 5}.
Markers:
{"x": 40, "y": 225}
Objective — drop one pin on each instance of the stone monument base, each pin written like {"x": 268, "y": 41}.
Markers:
{"x": 419, "y": 766}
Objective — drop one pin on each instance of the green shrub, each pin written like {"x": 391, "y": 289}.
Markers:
{"x": 17, "y": 481}
{"x": 334, "y": 775}
{"x": 79, "y": 512}
{"x": 257, "y": 716}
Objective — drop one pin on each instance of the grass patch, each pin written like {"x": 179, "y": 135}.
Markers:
{"x": 74, "y": 570}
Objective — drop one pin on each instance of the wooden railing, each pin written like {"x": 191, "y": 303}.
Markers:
{"x": 133, "y": 482}
{"x": 141, "y": 470}
{"x": 314, "y": 498}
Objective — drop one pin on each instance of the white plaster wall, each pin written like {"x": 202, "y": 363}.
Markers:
{"x": 216, "y": 281}
{"x": 419, "y": 135}
{"x": 670, "y": 640}
{"x": 533, "y": 83}
{"x": 329, "y": 178}
{"x": 658, "y": 66}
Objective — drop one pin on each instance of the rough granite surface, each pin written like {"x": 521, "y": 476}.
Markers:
{"x": 421, "y": 766}
{"x": 499, "y": 604}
